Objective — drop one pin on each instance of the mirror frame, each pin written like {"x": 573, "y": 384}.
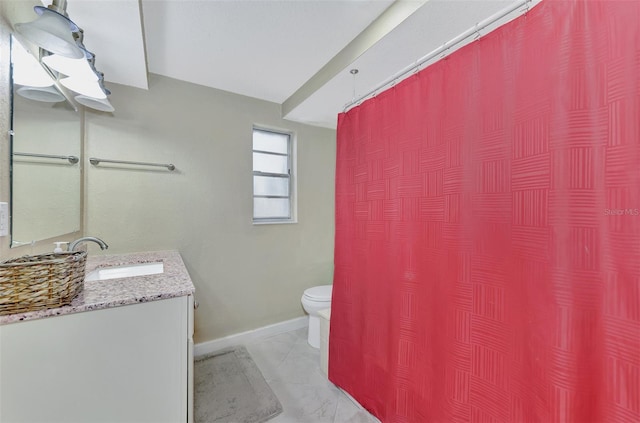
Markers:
{"x": 8, "y": 40}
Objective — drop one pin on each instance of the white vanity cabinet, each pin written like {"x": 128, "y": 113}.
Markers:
{"x": 130, "y": 363}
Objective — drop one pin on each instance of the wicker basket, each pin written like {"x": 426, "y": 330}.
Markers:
{"x": 39, "y": 282}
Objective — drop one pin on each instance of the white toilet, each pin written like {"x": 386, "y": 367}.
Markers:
{"x": 313, "y": 300}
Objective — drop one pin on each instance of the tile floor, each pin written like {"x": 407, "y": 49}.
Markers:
{"x": 292, "y": 369}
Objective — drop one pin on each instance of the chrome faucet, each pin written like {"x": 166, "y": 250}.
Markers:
{"x": 72, "y": 245}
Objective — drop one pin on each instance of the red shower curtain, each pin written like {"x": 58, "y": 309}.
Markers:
{"x": 487, "y": 259}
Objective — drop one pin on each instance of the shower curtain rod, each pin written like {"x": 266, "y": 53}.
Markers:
{"x": 442, "y": 49}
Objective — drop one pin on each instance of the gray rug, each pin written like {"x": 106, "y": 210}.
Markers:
{"x": 229, "y": 388}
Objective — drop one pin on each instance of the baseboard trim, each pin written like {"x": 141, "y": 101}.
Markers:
{"x": 209, "y": 347}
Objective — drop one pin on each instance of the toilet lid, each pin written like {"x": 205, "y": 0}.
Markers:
{"x": 319, "y": 293}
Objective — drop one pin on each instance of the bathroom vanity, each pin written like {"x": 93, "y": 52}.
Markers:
{"x": 121, "y": 352}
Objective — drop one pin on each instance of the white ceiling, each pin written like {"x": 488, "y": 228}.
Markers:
{"x": 292, "y": 52}
{"x": 262, "y": 49}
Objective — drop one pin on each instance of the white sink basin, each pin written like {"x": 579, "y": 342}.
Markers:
{"x": 125, "y": 271}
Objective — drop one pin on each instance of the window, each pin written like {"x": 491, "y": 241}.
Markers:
{"x": 272, "y": 176}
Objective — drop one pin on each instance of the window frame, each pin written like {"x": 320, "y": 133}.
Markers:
{"x": 290, "y": 175}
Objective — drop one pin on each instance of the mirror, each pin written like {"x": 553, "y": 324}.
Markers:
{"x": 45, "y": 166}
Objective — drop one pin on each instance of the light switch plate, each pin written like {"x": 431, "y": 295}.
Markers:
{"x": 4, "y": 219}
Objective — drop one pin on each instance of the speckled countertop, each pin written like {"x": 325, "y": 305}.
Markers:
{"x": 173, "y": 282}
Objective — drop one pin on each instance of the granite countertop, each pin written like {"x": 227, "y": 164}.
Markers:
{"x": 96, "y": 295}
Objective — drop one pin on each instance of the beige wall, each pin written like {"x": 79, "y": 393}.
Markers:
{"x": 246, "y": 275}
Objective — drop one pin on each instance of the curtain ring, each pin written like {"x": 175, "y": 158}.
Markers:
{"x": 477, "y": 37}
{"x": 444, "y": 50}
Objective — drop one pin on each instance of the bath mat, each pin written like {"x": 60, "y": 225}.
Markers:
{"x": 229, "y": 388}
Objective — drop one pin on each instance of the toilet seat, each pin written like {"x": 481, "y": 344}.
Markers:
{"x": 320, "y": 293}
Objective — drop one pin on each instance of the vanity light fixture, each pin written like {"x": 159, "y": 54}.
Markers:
{"x": 44, "y": 94}
{"x": 95, "y": 103}
{"x": 82, "y": 68}
{"x": 52, "y": 31}
{"x": 33, "y": 81}
{"x": 26, "y": 69}
{"x": 64, "y": 56}
{"x": 88, "y": 87}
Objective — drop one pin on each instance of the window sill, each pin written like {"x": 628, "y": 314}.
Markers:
{"x": 274, "y": 222}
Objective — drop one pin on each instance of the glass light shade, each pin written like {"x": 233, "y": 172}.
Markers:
{"x": 52, "y": 32}
{"x": 79, "y": 68}
{"x": 26, "y": 69}
{"x": 44, "y": 94}
{"x": 85, "y": 87}
{"x": 95, "y": 103}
